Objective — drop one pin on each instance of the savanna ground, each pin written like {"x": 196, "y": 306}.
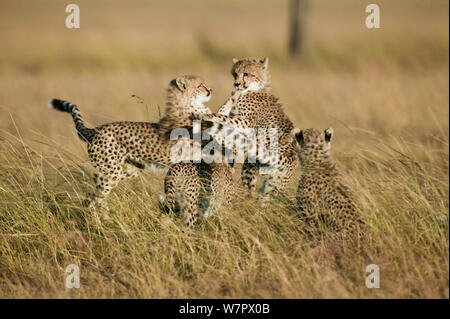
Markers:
{"x": 385, "y": 93}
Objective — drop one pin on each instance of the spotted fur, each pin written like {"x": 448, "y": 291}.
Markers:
{"x": 118, "y": 149}
{"x": 253, "y": 106}
{"x": 195, "y": 188}
{"x": 321, "y": 194}
{"x": 198, "y": 188}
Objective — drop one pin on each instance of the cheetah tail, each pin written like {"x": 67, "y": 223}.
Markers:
{"x": 84, "y": 133}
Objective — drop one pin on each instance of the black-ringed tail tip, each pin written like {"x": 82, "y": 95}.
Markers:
{"x": 51, "y": 103}
{"x": 86, "y": 134}
{"x": 60, "y": 105}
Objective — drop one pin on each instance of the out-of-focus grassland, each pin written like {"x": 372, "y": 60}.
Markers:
{"x": 385, "y": 92}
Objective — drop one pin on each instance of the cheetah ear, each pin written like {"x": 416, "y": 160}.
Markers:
{"x": 298, "y": 135}
{"x": 181, "y": 83}
{"x": 265, "y": 62}
{"x": 329, "y": 134}
{"x": 235, "y": 60}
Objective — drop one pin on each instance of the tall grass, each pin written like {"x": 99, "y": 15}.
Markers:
{"x": 245, "y": 251}
{"x": 385, "y": 92}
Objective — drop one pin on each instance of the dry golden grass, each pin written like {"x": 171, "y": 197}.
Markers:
{"x": 385, "y": 92}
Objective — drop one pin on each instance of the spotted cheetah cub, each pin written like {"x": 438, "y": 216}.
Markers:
{"x": 117, "y": 149}
{"x": 321, "y": 195}
{"x": 198, "y": 188}
{"x": 195, "y": 188}
{"x": 253, "y": 106}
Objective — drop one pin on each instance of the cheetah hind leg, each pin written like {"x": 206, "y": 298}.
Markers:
{"x": 182, "y": 192}
{"x": 191, "y": 203}
{"x": 249, "y": 176}
{"x": 188, "y": 205}
{"x": 104, "y": 185}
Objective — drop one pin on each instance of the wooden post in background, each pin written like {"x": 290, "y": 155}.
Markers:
{"x": 297, "y": 26}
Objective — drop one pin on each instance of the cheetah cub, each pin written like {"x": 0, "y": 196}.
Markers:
{"x": 118, "y": 149}
{"x": 195, "y": 188}
{"x": 321, "y": 195}
{"x": 253, "y": 106}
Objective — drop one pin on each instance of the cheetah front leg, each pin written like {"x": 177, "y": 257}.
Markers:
{"x": 275, "y": 182}
{"x": 227, "y": 107}
{"x": 236, "y": 121}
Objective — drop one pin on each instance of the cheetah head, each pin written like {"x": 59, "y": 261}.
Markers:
{"x": 189, "y": 91}
{"x": 312, "y": 145}
{"x": 250, "y": 74}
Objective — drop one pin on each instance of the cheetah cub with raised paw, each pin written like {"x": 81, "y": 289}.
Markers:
{"x": 118, "y": 149}
{"x": 321, "y": 194}
{"x": 253, "y": 107}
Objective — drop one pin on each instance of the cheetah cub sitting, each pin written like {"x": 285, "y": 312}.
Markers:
{"x": 117, "y": 149}
{"x": 321, "y": 195}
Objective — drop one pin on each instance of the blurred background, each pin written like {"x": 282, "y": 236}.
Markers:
{"x": 392, "y": 80}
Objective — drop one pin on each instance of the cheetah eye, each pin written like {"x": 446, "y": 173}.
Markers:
{"x": 234, "y": 74}
{"x": 245, "y": 74}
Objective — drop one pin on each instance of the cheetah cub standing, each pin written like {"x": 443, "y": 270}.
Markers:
{"x": 253, "y": 106}
{"x": 117, "y": 149}
{"x": 192, "y": 188}
{"x": 321, "y": 195}
{"x": 195, "y": 188}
